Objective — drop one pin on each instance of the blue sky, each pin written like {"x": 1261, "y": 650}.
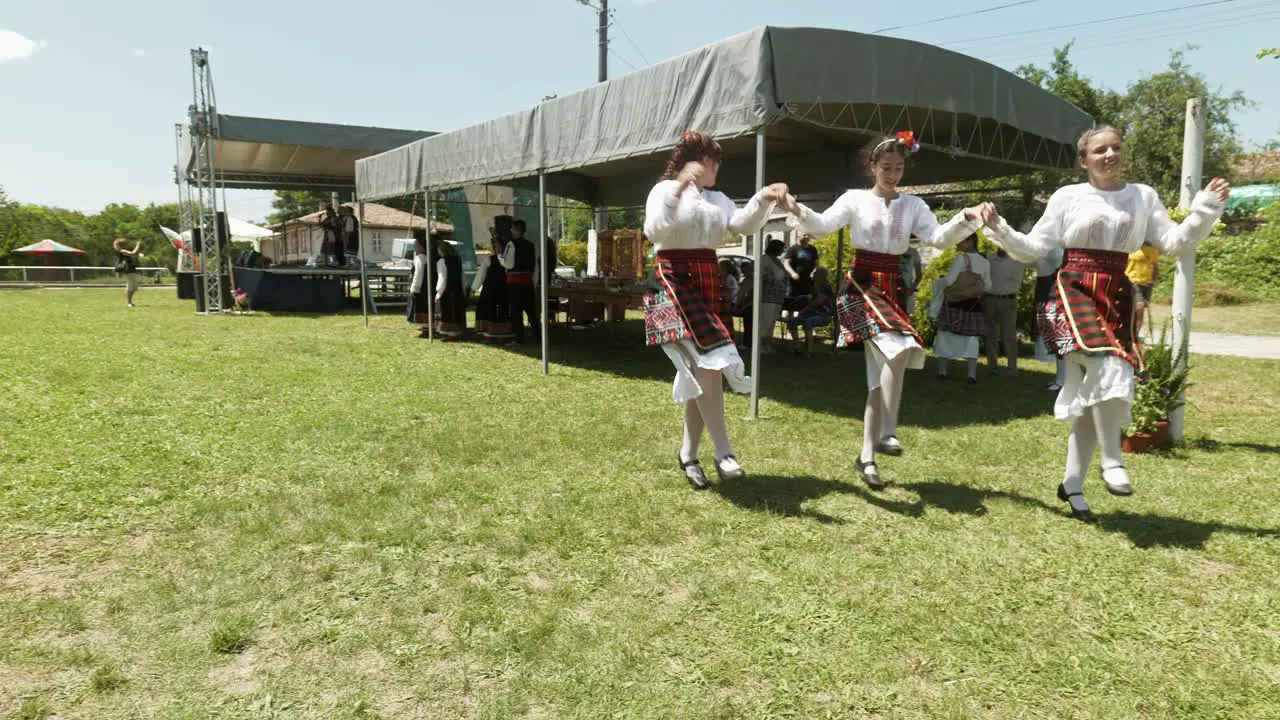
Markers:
{"x": 91, "y": 90}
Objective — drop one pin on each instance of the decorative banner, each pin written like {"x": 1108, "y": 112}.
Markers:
{"x": 473, "y": 208}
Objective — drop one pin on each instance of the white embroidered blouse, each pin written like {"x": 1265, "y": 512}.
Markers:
{"x": 698, "y": 219}
{"x": 886, "y": 227}
{"x": 1082, "y": 216}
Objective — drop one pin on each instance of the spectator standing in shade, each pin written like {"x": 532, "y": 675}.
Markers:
{"x": 799, "y": 262}
{"x": 1000, "y": 309}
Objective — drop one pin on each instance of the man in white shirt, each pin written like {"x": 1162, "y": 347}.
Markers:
{"x": 1000, "y": 307}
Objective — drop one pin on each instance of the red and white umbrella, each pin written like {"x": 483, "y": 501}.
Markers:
{"x": 49, "y": 247}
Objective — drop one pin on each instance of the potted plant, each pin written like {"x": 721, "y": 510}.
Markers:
{"x": 1158, "y": 392}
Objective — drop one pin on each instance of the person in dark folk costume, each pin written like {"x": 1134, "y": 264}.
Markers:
{"x": 451, "y": 301}
{"x": 520, "y": 260}
{"x": 418, "y": 313}
{"x": 493, "y": 309}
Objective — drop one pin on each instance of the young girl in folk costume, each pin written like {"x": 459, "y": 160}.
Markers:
{"x": 960, "y": 318}
{"x": 1088, "y": 317}
{"x": 1046, "y": 278}
{"x": 451, "y": 303}
{"x": 687, "y": 312}
{"x": 882, "y": 221}
{"x": 418, "y": 313}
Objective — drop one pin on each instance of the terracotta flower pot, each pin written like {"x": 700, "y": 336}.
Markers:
{"x": 1157, "y": 439}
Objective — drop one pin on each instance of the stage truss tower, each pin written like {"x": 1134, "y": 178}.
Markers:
{"x": 202, "y": 181}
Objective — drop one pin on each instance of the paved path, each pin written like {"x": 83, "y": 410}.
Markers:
{"x": 1254, "y": 346}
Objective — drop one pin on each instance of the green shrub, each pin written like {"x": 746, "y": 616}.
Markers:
{"x": 573, "y": 253}
{"x": 1247, "y": 264}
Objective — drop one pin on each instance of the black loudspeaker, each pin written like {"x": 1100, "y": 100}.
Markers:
{"x": 197, "y": 246}
{"x": 224, "y": 235}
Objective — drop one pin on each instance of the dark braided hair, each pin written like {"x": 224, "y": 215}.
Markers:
{"x": 694, "y": 146}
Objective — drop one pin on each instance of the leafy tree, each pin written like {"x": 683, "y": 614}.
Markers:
{"x": 290, "y": 204}
{"x": 1269, "y": 52}
{"x": 1154, "y": 117}
{"x": 1063, "y": 79}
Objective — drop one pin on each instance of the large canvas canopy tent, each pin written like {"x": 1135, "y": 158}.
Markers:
{"x": 800, "y": 102}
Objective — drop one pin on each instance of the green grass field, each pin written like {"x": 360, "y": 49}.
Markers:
{"x": 296, "y": 517}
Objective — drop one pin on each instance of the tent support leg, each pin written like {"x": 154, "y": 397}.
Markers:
{"x": 364, "y": 278}
{"x": 757, "y": 274}
{"x": 546, "y": 271}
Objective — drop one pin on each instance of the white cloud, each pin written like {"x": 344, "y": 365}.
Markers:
{"x": 15, "y": 46}
{"x": 140, "y": 53}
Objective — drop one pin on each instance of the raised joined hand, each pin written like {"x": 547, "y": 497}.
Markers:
{"x": 1220, "y": 188}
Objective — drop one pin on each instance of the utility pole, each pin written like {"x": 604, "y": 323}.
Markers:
{"x": 602, "y": 14}
{"x": 1185, "y": 279}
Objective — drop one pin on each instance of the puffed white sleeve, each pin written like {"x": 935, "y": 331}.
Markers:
{"x": 1046, "y": 236}
{"x": 419, "y": 273}
{"x": 478, "y": 281}
{"x": 1176, "y": 239}
{"x": 749, "y": 218}
{"x": 841, "y": 214}
{"x": 661, "y": 209}
{"x": 442, "y": 274}
{"x": 925, "y": 226}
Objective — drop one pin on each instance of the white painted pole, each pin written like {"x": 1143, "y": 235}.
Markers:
{"x": 543, "y": 268}
{"x": 431, "y": 272}
{"x": 364, "y": 279}
{"x": 757, "y": 275}
{"x": 1185, "y": 278}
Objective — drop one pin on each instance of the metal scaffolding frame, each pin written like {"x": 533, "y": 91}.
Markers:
{"x": 202, "y": 209}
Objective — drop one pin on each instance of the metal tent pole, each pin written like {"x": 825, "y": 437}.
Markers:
{"x": 757, "y": 274}
{"x": 542, "y": 268}
{"x": 431, "y": 272}
{"x": 364, "y": 279}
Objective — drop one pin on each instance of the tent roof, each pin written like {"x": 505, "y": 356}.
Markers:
{"x": 820, "y": 94}
{"x": 48, "y": 247}
{"x": 263, "y": 153}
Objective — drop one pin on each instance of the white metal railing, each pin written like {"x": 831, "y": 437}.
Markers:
{"x": 46, "y": 270}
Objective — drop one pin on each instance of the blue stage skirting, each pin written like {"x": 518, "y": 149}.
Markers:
{"x": 290, "y": 293}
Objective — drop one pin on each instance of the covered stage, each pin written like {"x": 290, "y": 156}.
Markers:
{"x": 788, "y": 104}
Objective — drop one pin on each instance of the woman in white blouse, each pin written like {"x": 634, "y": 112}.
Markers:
{"x": 687, "y": 312}
{"x": 1046, "y": 276}
{"x": 870, "y": 310}
{"x": 1088, "y": 318}
{"x": 960, "y": 316}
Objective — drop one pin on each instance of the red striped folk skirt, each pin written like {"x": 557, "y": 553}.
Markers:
{"x": 963, "y": 318}
{"x": 1090, "y": 307}
{"x": 873, "y": 300}
{"x": 688, "y": 301}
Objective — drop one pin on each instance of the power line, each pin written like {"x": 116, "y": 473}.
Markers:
{"x": 993, "y": 8}
{"x": 627, "y": 37}
{"x": 624, "y": 60}
{"x": 1090, "y": 23}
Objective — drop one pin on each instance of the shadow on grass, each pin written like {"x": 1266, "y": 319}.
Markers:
{"x": 785, "y": 496}
{"x": 1147, "y": 530}
{"x": 1211, "y": 445}
{"x": 829, "y": 383}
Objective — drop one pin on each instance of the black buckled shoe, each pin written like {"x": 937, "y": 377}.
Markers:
{"x": 693, "y": 473}
{"x": 1085, "y": 515}
{"x": 870, "y": 474}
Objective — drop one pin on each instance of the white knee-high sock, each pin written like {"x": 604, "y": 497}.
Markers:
{"x": 892, "y": 378}
{"x": 711, "y": 406}
{"x": 872, "y": 421}
{"x": 692, "y": 431}
{"x": 1061, "y": 376}
{"x": 973, "y": 368}
{"x": 1080, "y": 446}
{"x": 1108, "y": 418}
